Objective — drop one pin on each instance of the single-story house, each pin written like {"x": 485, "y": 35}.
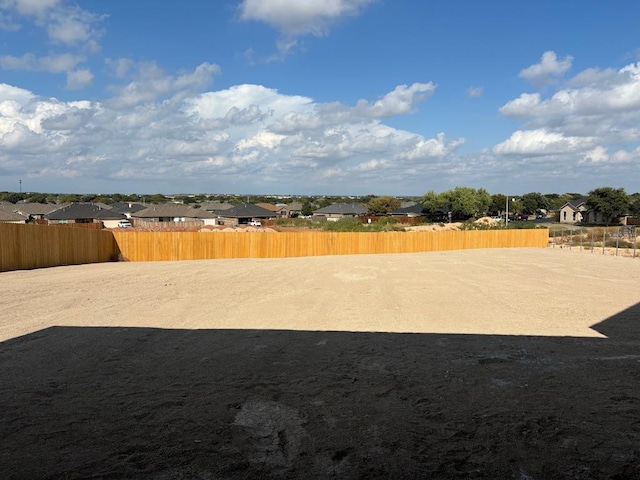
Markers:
{"x": 7, "y": 216}
{"x": 411, "y": 210}
{"x": 244, "y": 213}
{"x": 341, "y": 210}
{"x": 127, "y": 208}
{"x": 280, "y": 210}
{"x": 172, "y": 215}
{"x": 294, "y": 208}
{"x": 85, "y": 213}
{"x": 36, "y": 211}
{"x": 215, "y": 206}
{"x": 573, "y": 211}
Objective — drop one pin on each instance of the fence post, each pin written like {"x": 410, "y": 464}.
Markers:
{"x": 581, "y": 232}
{"x": 604, "y": 239}
{"x": 593, "y": 245}
{"x": 570, "y": 238}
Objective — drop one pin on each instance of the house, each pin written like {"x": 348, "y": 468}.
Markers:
{"x": 577, "y": 211}
{"x": 280, "y": 210}
{"x": 84, "y": 213}
{"x": 341, "y": 210}
{"x": 127, "y": 208}
{"x": 294, "y": 208}
{"x": 36, "y": 211}
{"x": 410, "y": 210}
{"x": 573, "y": 211}
{"x": 167, "y": 215}
{"x": 244, "y": 213}
{"x": 215, "y": 206}
{"x": 7, "y": 216}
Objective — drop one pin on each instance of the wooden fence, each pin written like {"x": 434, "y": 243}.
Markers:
{"x": 152, "y": 246}
{"x": 36, "y": 246}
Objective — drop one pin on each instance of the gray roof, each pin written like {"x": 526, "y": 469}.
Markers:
{"x": 575, "y": 204}
{"x": 77, "y": 211}
{"x": 171, "y": 210}
{"x": 7, "y": 216}
{"x": 215, "y": 206}
{"x": 248, "y": 210}
{"x": 343, "y": 209}
{"x": 415, "y": 209}
{"x": 127, "y": 207}
{"x": 36, "y": 208}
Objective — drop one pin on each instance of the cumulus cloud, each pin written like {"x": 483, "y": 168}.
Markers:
{"x": 294, "y": 18}
{"x": 541, "y": 142}
{"x": 64, "y": 22}
{"x": 547, "y": 70}
{"x": 298, "y": 17}
{"x": 604, "y": 104}
{"x": 78, "y": 79}
{"x": 226, "y": 136}
{"x": 150, "y": 82}
{"x": 51, "y": 63}
{"x": 34, "y": 8}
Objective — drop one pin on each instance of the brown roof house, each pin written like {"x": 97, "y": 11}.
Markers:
{"x": 169, "y": 215}
{"x": 280, "y": 210}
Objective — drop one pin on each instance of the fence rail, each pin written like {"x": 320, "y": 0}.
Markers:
{"x": 35, "y": 246}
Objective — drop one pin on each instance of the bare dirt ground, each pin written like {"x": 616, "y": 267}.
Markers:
{"x": 485, "y": 364}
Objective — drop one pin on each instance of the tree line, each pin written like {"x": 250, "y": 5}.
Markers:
{"x": 461, "y": 202}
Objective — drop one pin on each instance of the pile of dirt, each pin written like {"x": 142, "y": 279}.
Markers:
{"x": 486, "y": 221}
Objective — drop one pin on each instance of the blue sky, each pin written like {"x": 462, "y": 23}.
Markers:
{"x": 343, "y": 97}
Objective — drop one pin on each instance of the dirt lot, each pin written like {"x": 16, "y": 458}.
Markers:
{"x": 485, "y": 364}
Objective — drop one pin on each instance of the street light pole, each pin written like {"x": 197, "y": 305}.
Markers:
{"x": 506, "y": 218}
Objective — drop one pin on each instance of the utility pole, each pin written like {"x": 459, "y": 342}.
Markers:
{"x": 20, "y": 181}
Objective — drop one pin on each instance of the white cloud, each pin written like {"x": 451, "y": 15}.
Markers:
{"x": 295, "y": 18}
{"x": 150, "y": 82}
{"x": 228, "y": 135}
{"x": 52, "y": 63}
{"x": 602, "y": 104}
{"x": 78, "y": 79}
{"x": 474, "y": 92}
{"x": 34, "y": 8}
{"x": 401, "y": 100}
{"x": 298, "y": 17}
{"x": 64, "y": 22}
{"x": 541, "y": 142}
{"x": 547, "y": 70}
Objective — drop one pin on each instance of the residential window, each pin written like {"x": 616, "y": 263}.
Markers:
{"x": 565, "y": 215}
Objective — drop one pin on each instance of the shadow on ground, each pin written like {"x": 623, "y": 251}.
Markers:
{"x": 229, "y": 404}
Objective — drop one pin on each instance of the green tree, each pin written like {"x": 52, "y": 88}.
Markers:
{"x": 307, "y": 208}
{"x": 382, "y": 205}
{"x": 433, "y": 202}
{"x": 534, "y": 201}
{"x": 467, "y": 202}
{"x": 37, "y": 198}
{"x": 12, "y": 197}
{"x": 609, "y": 202}
{"x": 634, "y": 204}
